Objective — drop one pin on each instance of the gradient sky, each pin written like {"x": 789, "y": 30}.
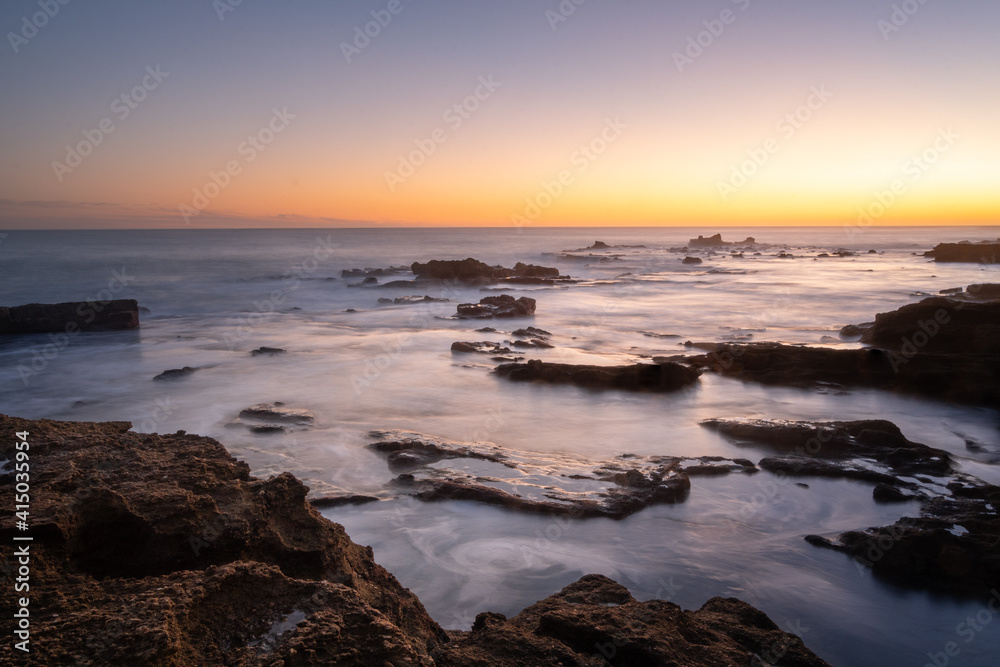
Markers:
{"x": 680, "y": 134}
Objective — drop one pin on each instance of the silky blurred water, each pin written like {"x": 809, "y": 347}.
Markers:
{"x": 215, "y": 295}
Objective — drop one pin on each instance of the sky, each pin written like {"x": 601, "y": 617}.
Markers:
{"x": 222, "y": 113}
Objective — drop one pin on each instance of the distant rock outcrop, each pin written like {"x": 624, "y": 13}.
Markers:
{"x": 716, "y": 241}
{"x": 473, "y": 271}
{"x": 70, "y": 317}
{"x": 985, "y": 252}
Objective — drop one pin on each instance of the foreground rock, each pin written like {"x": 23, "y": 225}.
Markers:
{"x": 503, "y": 305}
{"x": 164, "y": 551}
{"x": 71, "y": 317}
{"x": 984, "y": 252}
{"x": 663, "y": 377}
{"x": 597, "y": 622}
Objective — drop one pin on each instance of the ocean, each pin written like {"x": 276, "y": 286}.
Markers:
{"x": 359, "y": 366}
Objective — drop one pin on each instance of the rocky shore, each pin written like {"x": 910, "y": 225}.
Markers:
{"x": 164, "y": 550}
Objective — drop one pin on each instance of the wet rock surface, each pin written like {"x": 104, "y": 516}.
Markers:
{"x": 277, "y": 412}
{"x": 542, "y": 484}
{"x": 501, "y": 306}
{"x": 70, "y": 317}
{"x": 163, "y": 550}
{"x": 596, "y": 621}
{"x": 662, "y": 377}
{"x": 871, "y": 450}
{"x": 483, "y": 347}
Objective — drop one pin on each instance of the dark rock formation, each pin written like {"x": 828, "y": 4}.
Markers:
{"x": 531, "y": 332}
{"x": 485, "y": 347}
{"x": 540, "y": 343}
{"x": 619, "y": 487}
{"x": 596, "y": 621}
{"x": 408, "y": 454}
{"x": 953, "y": 546}
{"x": 691, "y": 260}
{"x": 960, "y": 324}
{"x": 269, "y": 351}
{"x": 497, "y": 306}
{"x": 473, "y": 271}
{"x": 663, "y": 377}
{"x": 963, "y": 378}
{"x": 716, "y": 241}
{"x": 71, "y": 317}
{"x": 984, "y": 252}
{"x": 277, "y": 412}
{"x": 163, "y": 550}
{"x": 340, "y": 501}
{"x": 840, "y": 450}
{"x": 175, "y": 373}
{"x": 365, "y": 273}
{"x": 856, "y": 330}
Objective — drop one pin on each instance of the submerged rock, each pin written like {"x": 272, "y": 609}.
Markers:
{"x": 596, "y": 621}
{"x": 71, "y": 317}
{"x": 484, "y": 347}
{"x": 531, "y": 332}
{"x": 276, "y": 412}
{"x": 691, "y": 260}
{"x": 503, "y": 305}
{"x": 540, "y": 483}
{"x": 176, "y": 373}
{"x": 662, "y": 377}
{"x": 269, "y": 351}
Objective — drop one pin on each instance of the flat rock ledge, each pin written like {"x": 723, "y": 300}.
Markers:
{"x": 662, "y": 377}
{"x": 163, "y": 550}
{"x": 71, "y": 317}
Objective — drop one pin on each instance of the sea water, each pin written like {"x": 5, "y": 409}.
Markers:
{"x": 212, "y": 296}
